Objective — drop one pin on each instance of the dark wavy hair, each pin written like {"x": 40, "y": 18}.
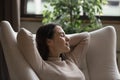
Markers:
{"x": 43, "y": 33}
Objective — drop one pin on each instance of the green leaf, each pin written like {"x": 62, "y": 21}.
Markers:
{"x": 67, "y": 13}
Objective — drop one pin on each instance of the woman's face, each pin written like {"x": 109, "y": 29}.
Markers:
{"x": 60, "y": 42}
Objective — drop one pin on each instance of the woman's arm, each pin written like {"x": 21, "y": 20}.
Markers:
{"x": 27, "y": 46}
{"x": 78, "y": 38}
{"x": 79, "y": 43}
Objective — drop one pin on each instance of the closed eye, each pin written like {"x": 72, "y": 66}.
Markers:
{"x": 62, "y": 34}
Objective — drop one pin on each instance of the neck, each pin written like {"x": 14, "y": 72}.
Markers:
{"x": 54, "y": 53}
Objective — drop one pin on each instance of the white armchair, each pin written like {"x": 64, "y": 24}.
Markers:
{"x": 99, "y": 64}
{"x": 101, "y": 55}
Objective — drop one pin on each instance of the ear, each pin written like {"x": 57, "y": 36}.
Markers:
{"x": 49, "y": 42}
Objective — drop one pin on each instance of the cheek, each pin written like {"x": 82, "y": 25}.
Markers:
{"x": 60, "y": 45}
{"x": 60, "y": 42}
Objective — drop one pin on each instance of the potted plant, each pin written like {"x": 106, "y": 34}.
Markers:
{"x": 68, "y": 13}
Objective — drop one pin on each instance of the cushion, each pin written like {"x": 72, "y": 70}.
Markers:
{"x": 27, "y": 45}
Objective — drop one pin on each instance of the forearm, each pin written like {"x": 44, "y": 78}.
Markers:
{"x": 79, "y": 38}
{"x": 79, "y": 44}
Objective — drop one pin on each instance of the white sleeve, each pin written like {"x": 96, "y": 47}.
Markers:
{"x": 27, "y": 45}
{"x": 79, "y": 43}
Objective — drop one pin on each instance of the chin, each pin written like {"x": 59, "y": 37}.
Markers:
{"x": 67, "y": 50}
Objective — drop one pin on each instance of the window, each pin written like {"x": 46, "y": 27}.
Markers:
{"x": 33, "y": 8}
{"x": 112, "y": 8}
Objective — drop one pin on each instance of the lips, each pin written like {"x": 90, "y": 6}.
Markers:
{"x": 67, "y": 44}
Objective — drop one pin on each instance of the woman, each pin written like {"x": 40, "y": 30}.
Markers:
{"x": 61, "y": 54}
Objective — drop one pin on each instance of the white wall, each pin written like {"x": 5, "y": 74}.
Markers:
{"x": 32, "y": 26}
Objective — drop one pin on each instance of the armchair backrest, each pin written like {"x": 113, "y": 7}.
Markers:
{"x": 101, "y": 56}
{"x": 18, "y": 68}
{"x": 100, "y": 59}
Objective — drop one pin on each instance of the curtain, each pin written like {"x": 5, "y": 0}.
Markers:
{"x": 10, "y": 11}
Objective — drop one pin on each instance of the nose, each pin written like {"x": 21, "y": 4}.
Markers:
{"x": 67, "y": 38}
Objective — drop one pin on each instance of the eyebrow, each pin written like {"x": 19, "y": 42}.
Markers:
{"x": 61, "y": 32}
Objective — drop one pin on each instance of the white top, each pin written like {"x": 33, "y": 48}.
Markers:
{"x": 69, "y": 69}
{"x": 57, "y": 69}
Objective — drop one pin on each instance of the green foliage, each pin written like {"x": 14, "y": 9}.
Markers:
{"x": 67, "y": 13}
